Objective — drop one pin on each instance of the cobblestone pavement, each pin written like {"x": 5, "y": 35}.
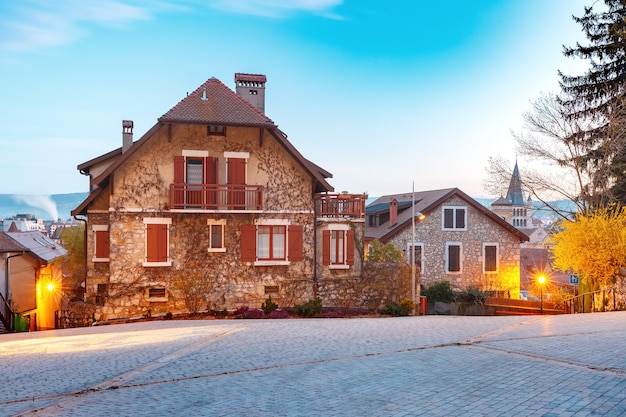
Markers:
{"x": 570, "y": 365}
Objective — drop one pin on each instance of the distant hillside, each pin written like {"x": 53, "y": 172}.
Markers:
{"x": 46, "y": 207}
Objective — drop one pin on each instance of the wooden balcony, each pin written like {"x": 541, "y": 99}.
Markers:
{"x": 215, "y": 197}
{"x": 340, "y": 205}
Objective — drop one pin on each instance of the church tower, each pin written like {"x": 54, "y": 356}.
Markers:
{"x": 513, "y": 208}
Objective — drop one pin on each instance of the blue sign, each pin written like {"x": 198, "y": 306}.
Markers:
{"x": 573, "y": 279}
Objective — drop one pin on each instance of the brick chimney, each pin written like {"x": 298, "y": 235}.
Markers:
{"x": 393, "y": 212}
{"x": 127, "y": 135}
{"x": 252, "y": 88}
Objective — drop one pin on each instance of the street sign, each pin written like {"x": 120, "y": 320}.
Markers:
{"x": 573, "y": 279}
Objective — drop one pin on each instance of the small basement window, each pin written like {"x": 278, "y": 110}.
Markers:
{"x": 271, "y": 289}
{"x": 156, "y": 293}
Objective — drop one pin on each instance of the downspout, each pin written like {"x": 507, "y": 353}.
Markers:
{"x": 314, "y": 246}
{"x": 85, "y": 254}
{"x": 6, "y": 278}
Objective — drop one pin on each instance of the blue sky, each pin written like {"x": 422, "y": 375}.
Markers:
{"x": 380, "y": 94}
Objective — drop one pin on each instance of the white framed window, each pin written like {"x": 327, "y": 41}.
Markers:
{"x": 272, "y": 242}
{"x": 100, "y": 243}
{"x": 157, "y": 294}
{"x": 216, "y": 235}
{"x": 418, "y": 252}
{"x": 157, "y": 241}
{"x": 491, "y": 261}
{"x": 454, "y": 218}
{"x": 454, "y": 257}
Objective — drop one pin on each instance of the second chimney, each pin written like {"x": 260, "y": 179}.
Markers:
{"x": 127, "y": 135}
{"x": 251, "y": 87}
{"x": 393, "y": 212}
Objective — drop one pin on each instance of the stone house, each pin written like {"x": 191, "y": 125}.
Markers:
{"x": 212, "y": 204}
{"x": 456, "y": 239}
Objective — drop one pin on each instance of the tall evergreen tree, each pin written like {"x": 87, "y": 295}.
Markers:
{"x": 598, "y": 96}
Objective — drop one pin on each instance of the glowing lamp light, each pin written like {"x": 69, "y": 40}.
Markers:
{"x": 50, "y": 287}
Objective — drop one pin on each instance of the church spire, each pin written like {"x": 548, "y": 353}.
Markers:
{"x": 514, "y": 194}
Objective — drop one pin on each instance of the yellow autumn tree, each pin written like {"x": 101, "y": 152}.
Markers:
{"x": 593, "y": 246}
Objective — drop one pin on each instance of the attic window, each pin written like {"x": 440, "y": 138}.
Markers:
{"x": 216, "y": 130}
{"x": 40, "y": 242}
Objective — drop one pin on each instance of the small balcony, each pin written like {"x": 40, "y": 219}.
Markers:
{"x": 215, "y": 197}
{"x": 340, "y": 205}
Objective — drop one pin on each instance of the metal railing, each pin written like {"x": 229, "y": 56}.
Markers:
{"x": 6, "y": 314}
{"x": 587, "y": 301}
{"x": 340, "y": 205}
{"x": 216, "y": 197}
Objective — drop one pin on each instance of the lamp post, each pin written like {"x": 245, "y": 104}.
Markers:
{"x": 420, "y": 216}
{"x": 541, "y": 279}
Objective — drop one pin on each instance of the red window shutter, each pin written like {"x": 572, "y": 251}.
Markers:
{"x": 102, "y": 244}
{"x": 210, "y": 178}
{"x": 162, "y": 243}
{"x": 326, "y": 247}
{"x": 350, "y": 247}
{"x": 295, "y": 243}
{"x": 179, "y": 169}
{"x": 248, "y": 243}
{"x": 156, "y": 243}
{"x": 236, "y": 171}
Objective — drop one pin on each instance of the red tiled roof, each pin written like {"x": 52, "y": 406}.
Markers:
{"x": 215, "y": 103}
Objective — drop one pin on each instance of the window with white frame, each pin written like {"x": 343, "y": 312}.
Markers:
{"x": 338, "y": 246}
{"x": 216, "y": 235}
{"x": 490, "y": 257}
{"x": 157, "y": 241}
{"x": 271, "y": 242}
{"x": 418, "y": 253}
{"x": 454, "y": 257}
{"x": 454, "y": 218}
{"x": 100, "y": 243}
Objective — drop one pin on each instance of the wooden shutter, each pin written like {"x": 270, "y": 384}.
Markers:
{"x": 211, "y": 173}
{"x": 350, "y": 247}
{"x": 326, "y": 247}
{"x": 295, "y": 243}
{"x": 156, "y": 242}
{"x": 102, "y": 244}
{"x": 248, "y": 243}
{"x": 236, "y": 171}
{"x": 460, "y": 218}
{"x": 448, "y": 218}
{"x": 179, "y": 169}
{"x": 454, "y": 258}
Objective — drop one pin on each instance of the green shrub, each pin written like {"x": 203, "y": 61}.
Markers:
{"x": 268, "y": 305}
{"x": 403, "y": 308}
{"x": 439, "y": 292}
{"x": 309, "y": 309}
{"x": 472, "y": 295}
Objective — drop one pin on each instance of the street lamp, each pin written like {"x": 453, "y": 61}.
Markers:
{"x": 542, "y": 280}
{"x": 420, "y": 217}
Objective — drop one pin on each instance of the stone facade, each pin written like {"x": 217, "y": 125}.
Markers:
{"x": 136, "y": 192}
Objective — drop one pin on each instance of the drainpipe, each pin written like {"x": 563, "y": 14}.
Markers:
{"x": 85, "y": 254}
{"x": 314, "y": 246}
{"x": 6, "y": 276}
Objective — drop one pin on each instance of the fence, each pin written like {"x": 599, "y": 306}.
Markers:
{"x": 588, "y": 300}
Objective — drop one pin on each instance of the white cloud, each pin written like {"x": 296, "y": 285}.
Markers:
{"x": 32, "y": 24}
{"x": 279, "y": 8}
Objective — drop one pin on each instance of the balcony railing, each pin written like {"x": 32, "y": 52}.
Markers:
{"x": 340, "y": 205}
{"x": 216, "y": 197}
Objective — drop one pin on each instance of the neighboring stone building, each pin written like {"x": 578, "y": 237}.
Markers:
{"x": 213, "y": 202}
{"x": 458, "y": 240}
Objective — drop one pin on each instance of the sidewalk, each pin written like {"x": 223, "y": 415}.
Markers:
{"x": 569, "y": 365}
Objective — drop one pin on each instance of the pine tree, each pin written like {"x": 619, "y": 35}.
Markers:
{"x": 597, "y": 97}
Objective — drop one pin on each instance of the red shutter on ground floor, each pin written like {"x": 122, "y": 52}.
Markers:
{"x": 350, "y": 247}
{"x": 156, "y": 242}
{"x": 326, "y": 247}
{"x": 102, "y": 244}
{"x": 248, "y": 243}
{"x": 295, "y": 243}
